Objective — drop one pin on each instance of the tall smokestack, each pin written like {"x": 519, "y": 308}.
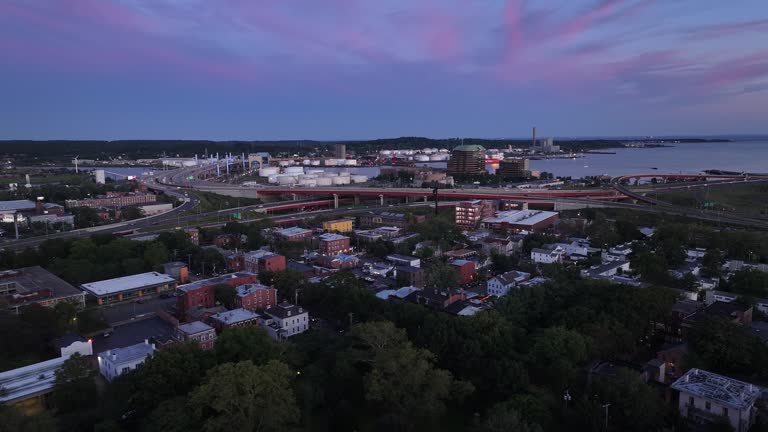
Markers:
{"x": 533, "y": 144}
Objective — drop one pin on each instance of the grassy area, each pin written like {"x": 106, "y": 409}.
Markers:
{"x": 745, "y": 198}
{"x": 214, "y": 202}
{"x": 46, "y": 179}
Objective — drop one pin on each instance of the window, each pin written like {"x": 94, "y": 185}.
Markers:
{"x": 690, "y": 400}
{"x": 125, "y": 369}
{"x": 707, "y": 406}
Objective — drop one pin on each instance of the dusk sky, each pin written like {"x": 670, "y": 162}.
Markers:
{"x": 357, "y": 69}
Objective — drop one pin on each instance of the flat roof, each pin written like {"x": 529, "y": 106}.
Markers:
{"x": 402, "y": 257}
{"x": 129, "y": 353}
{"x": 234, "y": 316}
{"x": 32, "y": 280}
{"x": 16, "y": 205}
{"x": 332, "y": 237}
{"x": 721, "y": 389}
{"x": 246, "y": 289}
{"x": 127, "y": 283}
{"x": 293, "y": 231}
{"x": 213, "y": 281}
{"x": 194, "y": 327}
{"x": 520, "y": 217}
{"x": 27, "y": 381}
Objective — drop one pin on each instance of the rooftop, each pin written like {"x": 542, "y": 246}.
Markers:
{"x": 520, "y": 217}
{"x": 35, "y": 283}
{"x": 246, "y": 289}
{"x": 194, "y": 328}
{"x": 234, "y": 316}
{"x": 332, "y": 237}
{"x": 408, "y": 269}
{"x": 213, "y": 281}
{"x": 24, "y": 382}
{"x": 401, "y": 257}
{"x": 718, "y": 388}
{"x": 469, "y": 147}
{"x": 461, "y": 262}
{"x": 285, "y": 310}
{"x": 129, "y": 353}
{"x": 513, "y": 276}
{"x": 257, "y": 254}
{"x": 17, "y": 205}
{"x": 293, "y": 231}
{"x": 127, "y": 283}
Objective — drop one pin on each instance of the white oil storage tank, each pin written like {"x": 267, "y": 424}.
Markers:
{"x": 315, "y": 163}
{"x": 350, "y": 162}
{"x": 285, "y": 163}
{"x": 357, "y": 178}
{"x": 286, "y": 179}
{"x": 268, "y": 171}
{"x": 308, "y": 182}
{"x": 341, "y": 180}
{"x": 272, "y": 179}
{"x": 101, "y": 177}
{"x": 324, "y": 181}
{"x": 305, "y": 162}
{"x": 421, "y": 158}
{"x": 294, "y": 170}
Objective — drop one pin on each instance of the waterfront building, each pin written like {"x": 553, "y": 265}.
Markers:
{"x": 514, "y": 168}
{"x": 467, "y": 159}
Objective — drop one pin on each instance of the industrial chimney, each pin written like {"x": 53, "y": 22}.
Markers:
{"x": 533, "y": 144}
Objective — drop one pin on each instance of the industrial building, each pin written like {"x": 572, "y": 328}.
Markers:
{"x": 130, "y": 287}
{"x": 467, "y": 160}
{"x": 113, "y": 199}
{"x": 520, "y": 220}
{"x": 30, "y": 285}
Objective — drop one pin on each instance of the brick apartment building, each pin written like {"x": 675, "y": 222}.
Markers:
{"x": 258, "y": 261}
{"x": 200, "y": 294}
{"x": 334, "y": 244}
{"x": 198, "y": 332}
{"x": 465, "y": 270}
{"x": 254, "y": 296}
{"x": 471, "y": 212}
{"x": 399, "y": 220}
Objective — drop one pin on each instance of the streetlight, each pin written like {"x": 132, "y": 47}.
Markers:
{"x": 567, "y": 398}
{"x": 605, "y": 406}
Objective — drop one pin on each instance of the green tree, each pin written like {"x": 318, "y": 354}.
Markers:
{"x": 75, "y": 388}
{"x": 13, "y": 420}
{"x": 403, "y": 380}
{"x": 247, "y": 343}
{"x": 556, "y": 354}
{"x": 503, "y": 417}
{"x": 131, "y": 213}
{"x": 286, "y": 283}
{"x": 245, "y": 397}
{"x": 225, "y": 295}
{"x": 155, "y": 255}
{"x": 712, "y": 263}
{"x": 440, "y": 276}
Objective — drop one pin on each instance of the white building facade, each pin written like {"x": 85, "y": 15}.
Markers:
{"x": 285, "y": 320}
{"x": 113, "y": 363}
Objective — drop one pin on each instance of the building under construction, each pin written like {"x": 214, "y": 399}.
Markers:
{"x": 467, "y": 159}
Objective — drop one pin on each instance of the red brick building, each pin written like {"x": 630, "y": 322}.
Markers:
{"x": 334, "y": 244}
{"x": 258, "y": 261}
{"x": 200, "y": 294}
{"x": 294, "y": 234}
{"x": 235, "y": 262}
{"x": 465, "y": 270}
{"x": 254, "y": 296}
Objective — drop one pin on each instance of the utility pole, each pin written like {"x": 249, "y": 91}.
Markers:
{"x": 606, "y": 415}
{"x": 351, "y": 319}
{"x": 566, "y": 398}
{"x": 435, "y": 194}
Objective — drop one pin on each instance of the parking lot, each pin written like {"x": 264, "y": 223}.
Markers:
{"x": 133, "y": 333}
{"x": 124, "y": 312}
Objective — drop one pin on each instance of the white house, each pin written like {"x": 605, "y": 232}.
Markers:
{"x": 500, "y": 285}
{"x": 285, "y": 320}
{"x": 113, "y": 363}
{"x": 694, "y": 254}
{"x": 623, "y": 249}
{"x": 547, "y": 256}
{"x": 706, "y": 397}
{"x": 579, "y": 248}
{"x": 609, "y": 269}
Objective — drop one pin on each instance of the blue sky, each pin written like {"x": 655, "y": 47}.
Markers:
{"x": 354, "y": 69}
